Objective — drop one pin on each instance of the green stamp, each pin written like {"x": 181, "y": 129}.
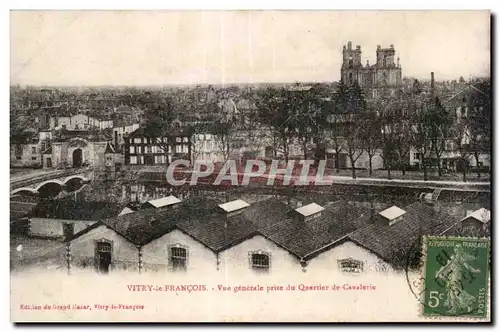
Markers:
{"x": 456, "y": 276}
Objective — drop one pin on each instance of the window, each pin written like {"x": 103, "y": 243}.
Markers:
{"x": 350, "y": 265}
{"x": 108, "y": 158}
{"x": 33, "y": 158}
{"x": 178, "y": 257}
{"x": 103, "y": 256}
{"x": 208, "y": 137}
{"x": 133, "y": 160}
{"x": 139, "y": 150}
{"x": 260, "y": 261}
{"x": 178, "y": 148}
{"x": 416, "y": 155}
{"x": 137, "y": 140}
{"x": 185, "y": 139}
{"x": 178, "y": 139}
{"x": 33, "y": 149}
{"x": 148, "y": 149}
{"x": 132, "y": 149}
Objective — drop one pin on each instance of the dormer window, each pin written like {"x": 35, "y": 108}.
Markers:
{"x": 310, "y": 211}
{"x": 392, "y": 215}
{"x": 234, "y": 207}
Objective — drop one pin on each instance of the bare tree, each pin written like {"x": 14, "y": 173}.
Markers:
{"x": 353, "y": 140}
{"x": 371, "y": 136}
{"x": 421, "y": 133}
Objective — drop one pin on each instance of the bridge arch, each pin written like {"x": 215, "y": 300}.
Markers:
{"x": 58, "y": 182}
{"x": 69, "y": 178}
{"x": 27, "y": 189}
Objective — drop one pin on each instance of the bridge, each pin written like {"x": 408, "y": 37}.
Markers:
{"x": 50, "y": 182}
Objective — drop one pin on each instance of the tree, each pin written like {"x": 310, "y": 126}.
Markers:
{"x": 479, "y": 121}
{"x": 442, "y": 122}
{"x": 353, "y": 141}
{"x": 159, "y": 123}
{"x": 274, "y": 108}
{"x": 421, "y": 132}
{"x": 371, "y": 135}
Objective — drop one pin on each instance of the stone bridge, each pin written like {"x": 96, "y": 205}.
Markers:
{"x": 51, "y": 182}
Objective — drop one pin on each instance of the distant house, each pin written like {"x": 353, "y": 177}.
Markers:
{"x": 80, "y": 122}
{"x": 477, "y": 223}
{"x": 25, "y": 150}
{"x": 142, "y": 149}
{"x": 122, "y": 130}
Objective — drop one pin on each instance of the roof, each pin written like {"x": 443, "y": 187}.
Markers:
{"x": 164, "y": 201}
{"x": 309, "y": 209}
{"x": 77, "y": 210}
{"x": 393, "y": 242}
{"x": 304, "y": 238}
{"x": 483, "y": 215}
{"x": 392, "y": 213}
{"x": 234, "y": 205}
{"x": 126, "y": 210}
{"x": 220, "y": 231}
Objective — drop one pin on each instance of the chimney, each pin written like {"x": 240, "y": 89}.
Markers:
{"x": 233, "y": 207}
{"x": 349, "y": 45}
{"x": 432, "y": 83}
{"x": 309, "y": 211}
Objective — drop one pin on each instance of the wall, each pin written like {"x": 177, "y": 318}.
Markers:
{"x": 28, "y": 158}
{"x": 235, "y": 260}
{"x": 49, "y": 227}
{"x": 125, "y": 256}
{"x": 200, "y": 258}
{"x": 326, "y": 262}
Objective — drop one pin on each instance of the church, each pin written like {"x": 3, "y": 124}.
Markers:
{"x": 375, "y": 79}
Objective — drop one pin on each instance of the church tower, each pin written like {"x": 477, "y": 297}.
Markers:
{"x": 351, "y": 63}
{"x": 382, "y": 77}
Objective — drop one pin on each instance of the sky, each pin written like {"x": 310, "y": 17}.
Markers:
{"x": 217, "y": 47}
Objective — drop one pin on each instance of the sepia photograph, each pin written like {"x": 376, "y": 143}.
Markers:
{"x": 254, "y": 166}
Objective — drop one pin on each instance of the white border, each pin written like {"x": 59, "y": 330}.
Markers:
{"x": 184, "y": 4}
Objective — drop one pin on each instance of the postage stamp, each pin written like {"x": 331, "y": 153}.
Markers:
{"x": 456, "y": 277}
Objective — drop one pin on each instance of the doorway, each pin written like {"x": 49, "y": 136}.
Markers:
{"x": 48, "y": 162}
{"x": 103, "y": 257}
{"x": 77, "y": 158}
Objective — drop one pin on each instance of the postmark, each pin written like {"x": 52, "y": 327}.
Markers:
{"x": 455, "y": 277}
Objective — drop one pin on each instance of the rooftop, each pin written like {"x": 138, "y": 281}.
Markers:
{"x": 483, "y": 215}
{"x": 393, "y": 242}
{"x": 392, "y": 213}
{"x": 234, "y": 205}
{"x": 309, "y": 209}
{"x": 164, "y": 201}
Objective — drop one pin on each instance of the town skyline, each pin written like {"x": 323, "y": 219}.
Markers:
{"x": 140, "y": 48}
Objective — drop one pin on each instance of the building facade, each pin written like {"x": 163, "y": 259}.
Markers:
{"x": 142, "y": 149}
{"x": 383, "y": 76}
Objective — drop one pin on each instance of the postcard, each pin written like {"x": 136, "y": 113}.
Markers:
{"x": 250, "y": 166}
